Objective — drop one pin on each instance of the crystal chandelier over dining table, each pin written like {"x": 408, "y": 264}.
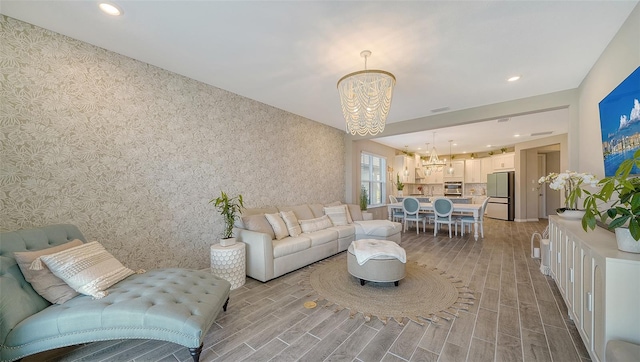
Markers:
{"x": 433, "y": 163}
{"x": 365, "y": 97}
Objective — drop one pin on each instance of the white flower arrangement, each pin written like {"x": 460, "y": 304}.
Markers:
{"x": 571, "y": 182}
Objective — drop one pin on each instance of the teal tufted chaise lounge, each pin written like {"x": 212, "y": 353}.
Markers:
{"x": 174, "y": 305}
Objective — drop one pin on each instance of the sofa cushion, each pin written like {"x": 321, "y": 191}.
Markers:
{"x": 318, "y": 209}
{"x": 313, "y": 225}
{"x": 355, "y": 212}
{"x": 303, "y": 212}
{"x": 254, "y": 211}
{"x": 290, "y": 245}
{"x": 292, "y": 223}
{"x": 344, "y": 231}
{"x": 88, "y": 268}
{"x": 278, "y": 225}
{"x": 337, "y": 214}
{"x": 49, "y": 286}
{"x": 322, "y": 236}
{"x": 258, "y": 223}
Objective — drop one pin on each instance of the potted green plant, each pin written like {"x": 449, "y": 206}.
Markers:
{"x": 624, "y": 211}
{"x": 364, "y": 198}
{"x": 399, "y": 185}
{"x": 229, "y": 208}
{"x": 504, "y": 150}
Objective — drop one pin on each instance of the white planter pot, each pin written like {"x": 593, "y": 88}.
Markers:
{"x": 400, "y": 193}
{"x": 571, "y": 214}
{"x": 227, "y": 242}
{"x": 626, "y": 242}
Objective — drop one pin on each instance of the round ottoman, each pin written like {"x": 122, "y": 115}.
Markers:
{"x": 378, "y": 269}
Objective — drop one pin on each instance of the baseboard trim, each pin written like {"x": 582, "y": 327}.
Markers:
{"x": 526, "y": 220}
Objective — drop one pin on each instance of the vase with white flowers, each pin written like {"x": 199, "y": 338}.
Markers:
{"x": 571, "y": 183}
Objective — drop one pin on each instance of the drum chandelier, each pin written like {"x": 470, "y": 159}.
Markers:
{"x": 366, "y": 99}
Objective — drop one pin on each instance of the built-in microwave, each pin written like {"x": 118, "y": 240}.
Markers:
{"x": 453, "y": 188}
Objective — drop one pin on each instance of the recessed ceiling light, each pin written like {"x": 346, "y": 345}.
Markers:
{"x": 514, "y": 78}
{"x": 455, "y": 144}
{"x": 488, "y": 145}
{"x": 111, "y": 9}
{"x": 516, "y": 135}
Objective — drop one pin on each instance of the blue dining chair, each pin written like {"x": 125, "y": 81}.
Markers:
{"x": 469, "y": 220}
{"x": 396, "y": 214}
{"x": 411, "y": 208}
{"x": 443, "y": 209}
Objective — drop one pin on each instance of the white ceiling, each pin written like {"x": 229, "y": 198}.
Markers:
{"x": 290, "y": 54}
{"x": 483, "y": 136}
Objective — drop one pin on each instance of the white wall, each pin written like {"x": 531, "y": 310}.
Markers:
{"x": 619, "y": 59}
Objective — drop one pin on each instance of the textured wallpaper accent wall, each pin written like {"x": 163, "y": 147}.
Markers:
{"x": 132, "y": 153}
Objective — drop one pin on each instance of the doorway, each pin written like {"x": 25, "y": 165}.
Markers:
{"x": 542, "y": 190}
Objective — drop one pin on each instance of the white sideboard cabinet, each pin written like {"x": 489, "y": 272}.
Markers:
{"x": 599, "y": 284}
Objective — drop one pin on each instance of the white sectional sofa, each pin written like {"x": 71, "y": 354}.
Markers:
{"x": 271, "y": 254}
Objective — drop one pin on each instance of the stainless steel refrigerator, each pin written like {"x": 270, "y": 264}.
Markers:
{"x": 501, "y": 193}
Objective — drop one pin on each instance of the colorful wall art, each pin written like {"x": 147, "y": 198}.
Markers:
{"x": 620, "y": 123}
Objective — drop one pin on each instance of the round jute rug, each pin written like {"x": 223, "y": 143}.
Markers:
{"x": 425, "y": 294}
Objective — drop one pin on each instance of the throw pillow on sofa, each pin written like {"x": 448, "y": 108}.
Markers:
{"x": 338, "y": 203}
{"x": 278, "y": 225}
{"x": 43, "y": 281}
{"x": 337, "y": 214}
{"x": 292, "y": 223}
{"x": 259, "y": 224}
{"x": 317, "y": 224}
{"x": 355, "y": 212}
{"x": 88, "y": 268}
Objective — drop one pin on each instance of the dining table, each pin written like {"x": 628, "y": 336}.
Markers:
{"x": 474, "y": 209}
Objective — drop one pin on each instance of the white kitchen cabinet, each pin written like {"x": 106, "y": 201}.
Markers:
{"x": 436, "y": 176}
{"x": 458, "y": 171}
{"x": 487, "y": 168}
{"x": 405, "y": 167}
{"x": 598, "y": 282}
{"x": 503, "y": 162}
{"x": 421, "y": 176}
{"x": 473, "y": 171}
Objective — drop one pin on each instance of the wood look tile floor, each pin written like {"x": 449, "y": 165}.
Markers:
{"x": 519, "y": 315}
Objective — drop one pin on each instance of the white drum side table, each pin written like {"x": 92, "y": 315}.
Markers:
{"x": 228, "y": 262}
